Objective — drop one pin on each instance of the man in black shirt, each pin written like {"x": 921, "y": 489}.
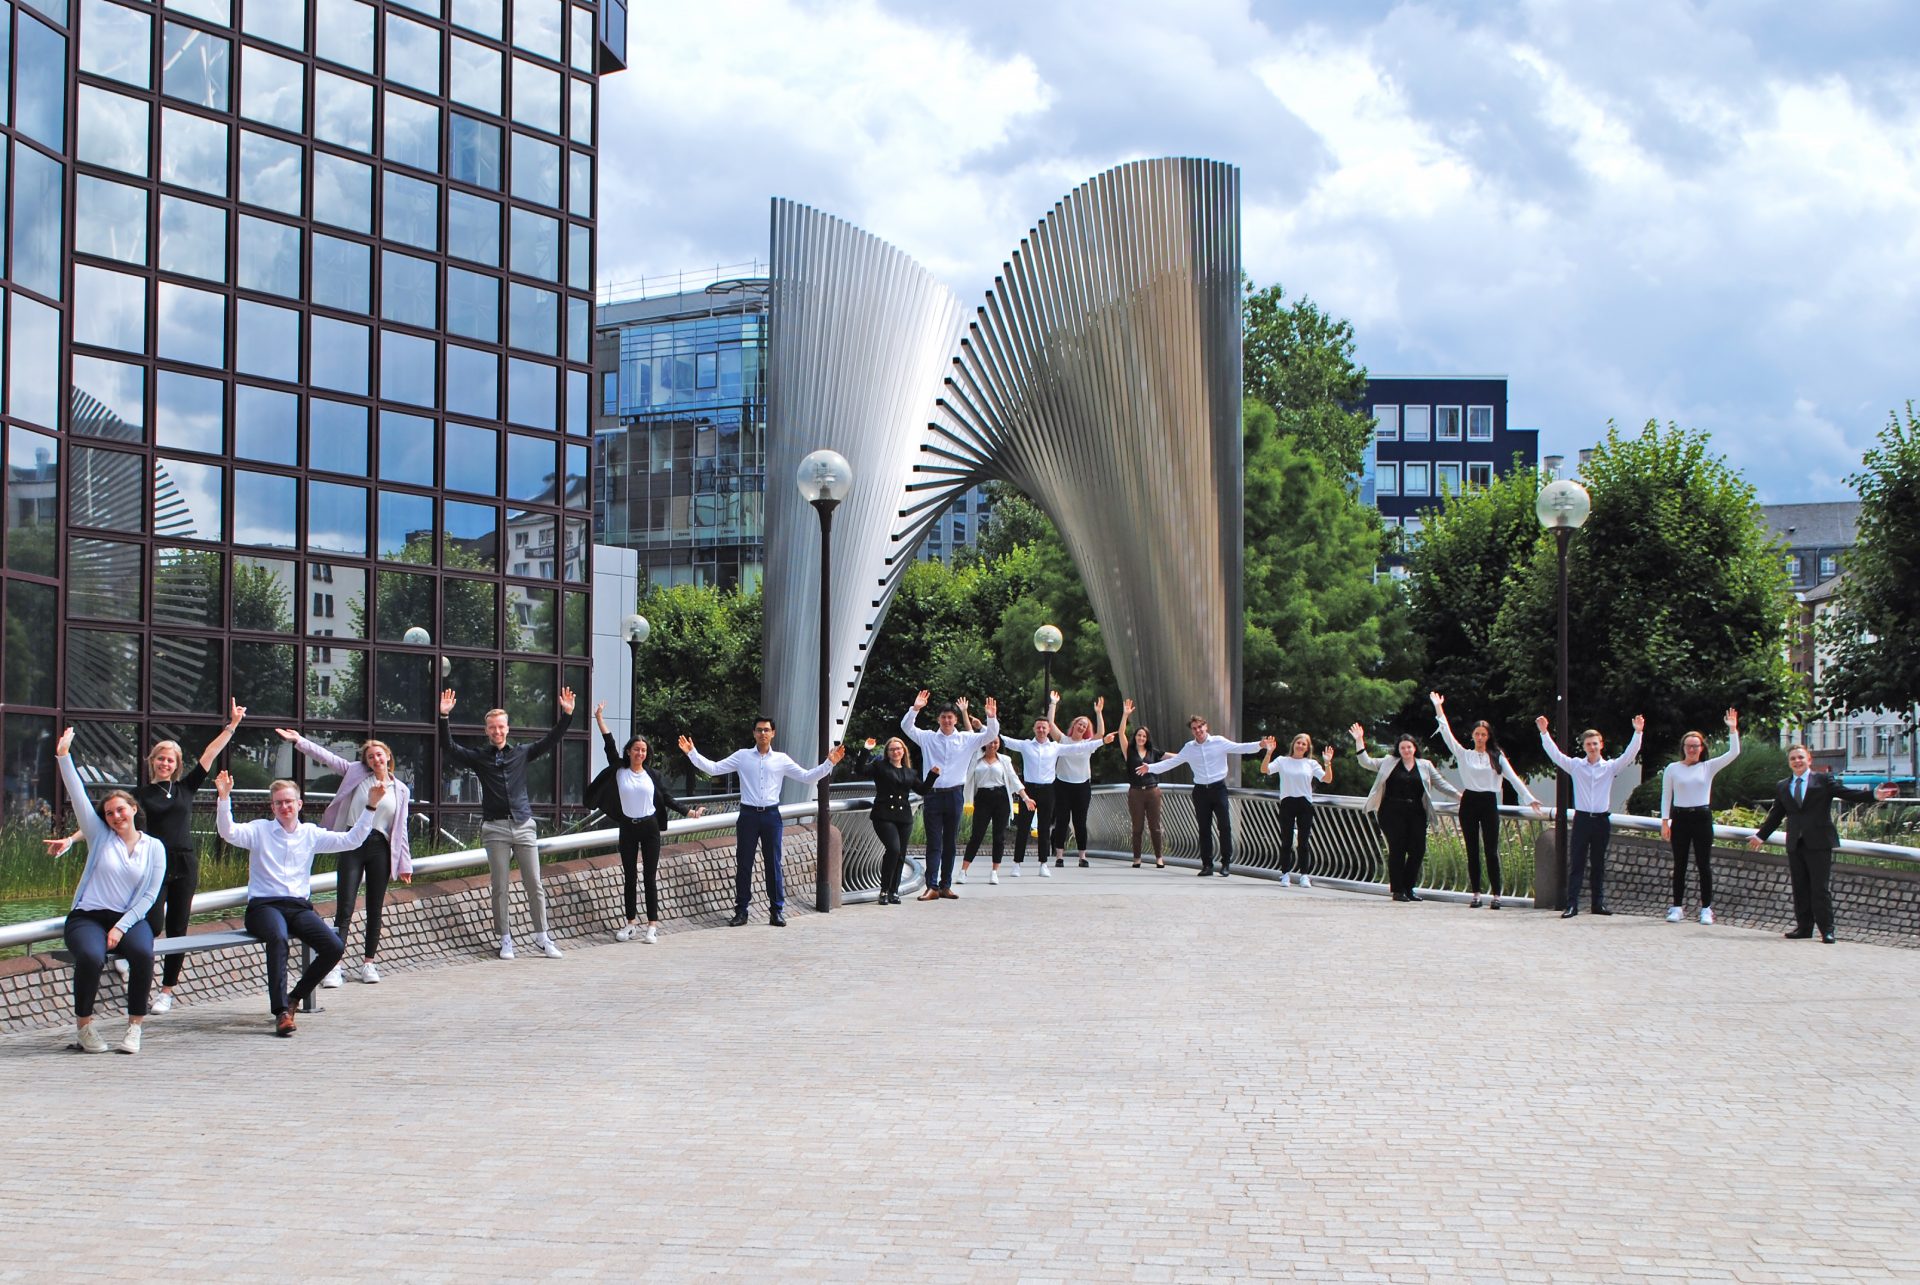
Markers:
{"x": 506, "y": 828}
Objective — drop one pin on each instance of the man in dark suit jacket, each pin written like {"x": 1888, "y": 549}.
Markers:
{"x": 1805, "y": 802}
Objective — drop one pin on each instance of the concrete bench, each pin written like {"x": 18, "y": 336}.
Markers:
{"x": 200, "y": 943}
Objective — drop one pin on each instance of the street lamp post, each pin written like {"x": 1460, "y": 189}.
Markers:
{"x": 1046, "y": 641}
{"x": 635, "y": 630}
{"x": 824, "y": 478}
{"x": 1562, "y": 508}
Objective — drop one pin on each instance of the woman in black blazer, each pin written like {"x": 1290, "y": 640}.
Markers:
{"x": 634, "y": 795}
{"x": 893, "y": 780}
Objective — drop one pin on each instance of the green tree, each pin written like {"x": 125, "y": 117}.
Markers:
{"x": 1874, "y": 658}
{"x": 1299, "y": 360}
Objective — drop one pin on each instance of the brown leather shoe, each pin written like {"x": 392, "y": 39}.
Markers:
{"x": 284, "y": 1026}
{"x": 949, "y": 894}
{"x": 931, "y": 894}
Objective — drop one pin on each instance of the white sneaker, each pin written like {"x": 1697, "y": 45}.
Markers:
{"x": 1674, "y": 914}
{"x": 1706, "y": 914}
{"x": 370, "y": 973}
{"x": 653, "y": 934}
{"x": 547, "y": 948}
{"x": 994, "y": 877}
{"x": 625, "y": 933}
{"x": 961, "y": 878}
{"x": 332, "y": 979}
{"x": 162, "y": 1003}
{"x": 1045, "y": 873}
{"x": 506, "y": 946}
{"x": 90, "y": 1041}
{"x": 130, "y": 1042}
{"x": 123, "y": 968}
{"x": 1304, "y": 881}
{"x": 1016, "y": 872}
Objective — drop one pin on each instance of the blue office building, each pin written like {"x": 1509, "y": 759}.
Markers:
{"x": 1435, "y": 435}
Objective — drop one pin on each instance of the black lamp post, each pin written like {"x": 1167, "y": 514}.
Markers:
{"x": 824, "y": 478}
{"x": 635, "y": 630}
{"x": 1562, "y": 508}
{"x": 1046, "y": 641}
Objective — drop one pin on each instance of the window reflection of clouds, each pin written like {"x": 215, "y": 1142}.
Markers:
{"x": 531, "y": 392}
{"x": 270, "y": 172}
{"x": 337, "y": 354}
{"x": 193, "y": 325}
{"x": 535, "y": 175}
{"x": 118, "y": 43}
{"x": 109, "y": 309}
{"x": 336, "y": 518}
{"x": 269, "y": 256}
{"x": 115, "y": 396}
{"x": 263, "y": 509}
{"x": 284, "y": 22}
{"x": 409, "y": 370}
{"x": 193, "y": 152}
{"x": 267, "y": 341}
{"x": 473, "y": 305}
{"x": 412, "y": 133}
{"x": 110, "y": 219}
{"x": 342, "y": 192}
{"x": 343, "y": 33}
{"x": 33, "y": 349}
{"x": 342, "y": 274}
{"x": 536, "y": 27}
{"x": 533, "y": 315}
{"x": 189, "y": 413}
{"x": 413, "y": 54}
{"x": 193, "y": 239}
{"x": 473, "y": 75}
{"x": 536, "y": 96}
{"x": 272, "y": 89}
{"x": 336, "y": 436}
{"x": 406, "y": 448}
{"x": 473, "y": 382}
{"x": 410, "y": 211}
{"x": 266, "y": 424}
{"x": 343, "y": 111}
{"x": 535, "y": 242}
{"x": 473, "y": 228}
{"x": 38, "y": 221}
{"x": 194, "y": 66}
{"x": 113, "y": 130}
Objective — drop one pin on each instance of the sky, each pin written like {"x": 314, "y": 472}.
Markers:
{"x": 1705, "y": 213}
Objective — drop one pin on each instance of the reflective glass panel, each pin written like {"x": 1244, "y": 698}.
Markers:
{"x": 473, "y": 382}
{"x": 186, "y": 675}
{"x": 342, "y": 192}
{"x": 336, "y": 518}
{"x": 342, "y": 273}
{"x": 579, "y": 257}
{"x": 536, "y": 96}
{"x": 342, "y": 611}
{"x": 409, "y": 211}
{"x": 6, "y": 62}
{"x": 265, "y": 671}
{"x": 337, "y": 355}
{"x": 269, "y": 257}
{"x": 215, "y": 11}
{"x": 536, "y": 170}
{"x": 473, "y": 228}
{"x": 475, "y": 674}
{"x": 575, "y": 455}
{"x": 473, "y": 305}
{"x": 474, "y": 75}
{"x": 535, "y": 244}
{"x": 409, "y": 290}
{"x": 531, "y": 393}
{"x": 575, "y": 635}
{"x": 186, "y": 587}
{"x": 580, "y": 185}
{"x": 103, "y": 579}
{"x": 273, "y": 89}
{"x": 264, "y": 507}
{"x": 343, "y": 111}
{"x": 193, "y": 238}
{"x": 109, "y": 399}
{"x": 33, "y": 353}
{"x": 195, "y": 66}
{"x": 113, "y": 130}
{"x": 188, "y": 500}
{"x": 472, "y": 455}
{"x": 530, "y": 622}
{"x": 429, "y": 7}
{"x": 343, "y": 33}
{"x": 580, "y": 38}
{"x": 266, "y": 426}
{"x": 406, "y": 448}
{"x": 412, "y": 134}
{"x": 470, "y": 616}
{"x": 336, "y": 689}
{"x": 529, "y": 468}
{"x": 103, "y": 670}
{"x": 117, "y": 44}
{"x": 33, "y": 501}
{"x": 532, "y": 551}
{"x": 533, "y": 316}
{"x": 403, "y": 688}
{"x": 574, "y": 556}
{"x": 405, "y": 601}
{"x": 337, "y": 436}
{"x": 193, "y": 152}
{"x": 267, "y": 341}
{"x": 413, "y": 54}
{"x": 580, "y": 113}
{"x": 40, "y": 80}
{"x": 106, "y": 489}
{"x": 536, "y": 27}
{"x": 405, "y": 528}
{"x": 284, "y": 22}
{"x": 270, "y": 172}
{"x": 193, "y": 325}
{"x": 409, "y": 371}
{"x": 473, "y": 536}
{"x": 579, "y": 328}
{"x": 110, "y": 219}
{"x": 484, "y": 16}
{"x": 109, "y": 310}
{"x": 577, "y": 402}
{"x": 473, "y": 152}
{"x": 189, "y": 413}
{"x": 38, "y": 188}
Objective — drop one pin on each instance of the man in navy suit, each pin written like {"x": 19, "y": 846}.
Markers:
{"x": 1805, "y": 802}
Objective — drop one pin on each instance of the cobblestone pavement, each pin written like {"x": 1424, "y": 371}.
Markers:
{"x": 1108, "y": 1075}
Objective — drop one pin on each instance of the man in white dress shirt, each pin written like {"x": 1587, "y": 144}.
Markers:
{"x": 1207, "y": 755}
{"x": 946, "y": 752}
{"x": 761, "y": 769}
{"x": 1592, "y": 808}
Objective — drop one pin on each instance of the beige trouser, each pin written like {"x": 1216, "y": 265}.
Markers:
{"x": 514, "y": 840}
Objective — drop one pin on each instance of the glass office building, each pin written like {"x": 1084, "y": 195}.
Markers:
{"x": 297, "y": 301}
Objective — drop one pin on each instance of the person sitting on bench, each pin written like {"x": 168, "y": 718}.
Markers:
{"x": 280, "y": 852}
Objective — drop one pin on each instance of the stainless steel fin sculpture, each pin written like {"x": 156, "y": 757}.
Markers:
{"x": 1102, "y": 378}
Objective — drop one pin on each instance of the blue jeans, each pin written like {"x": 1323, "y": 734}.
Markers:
{"x": 1591, "y": 830}
{"x": 942, "y": 815}
{"x": 86, "y": 935}
{"x": 758, "y": 827}
{"x": 273, "y": 920}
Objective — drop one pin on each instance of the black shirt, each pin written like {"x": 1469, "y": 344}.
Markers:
{"x": 502, "y": 772}
{"x": 891, "y": 786}
{"x": 1134, "y": 760}
{"x": 1404, "y": 787}
{"x": 169, "y": 809}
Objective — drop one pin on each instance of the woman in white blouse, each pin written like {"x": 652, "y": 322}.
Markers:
{"x": 1297, "y": 772}
{"x": 117, "y": 888}
{"x": 1480, "y": 768}
{"x": 993, "y": 787}
{"x": 632, "y": 795}
{"x": 1686, "y": 813}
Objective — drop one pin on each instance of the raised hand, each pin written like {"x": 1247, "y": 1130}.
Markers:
{"x": 837, "y": 753}
{"x": 870, "y": 743}
{"x": 1733, "y": 719}
{"x": 920, "y": 700}
{"x": 1099, "y": 704}
{"x": 1639, "y": 722}
{"x": 1327, "y": 754}
{"x": 237, "y": 713}
{"x": 993, "y": 708}
{"x": 960, "y": 703}
{"x": 1541, "y": 722}
{"x": 224, "y": 784}
{"x": 1439, "y": 701}
{"x": 375, "y": 793}
{"x": 1053, "y": 698}
{"x": 286, "y": 734}
{"x": 566, "y": 701}
{"x": 62, "y": 746}
{"x": 600, "y": 712}
{"x": 1126, "y": 705}
{"x": 1110, "y": 738}
{"x": 686, "y": 743}
{"x": 1358, "y": 733}
{"x": 1269, "y": 743}
{"x": 446, "y": 702}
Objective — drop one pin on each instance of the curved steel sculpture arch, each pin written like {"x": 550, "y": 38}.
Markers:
{"x": 1101, "y": 377}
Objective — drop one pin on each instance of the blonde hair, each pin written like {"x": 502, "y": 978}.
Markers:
{"x": 1295, "y": 742}
{"x": 111, "y": 795}
{"x": 283, "y": 784}
{"x": 179, "y": 758}
{"x": 886, "y": 751}
{"x": 370, "y": 744}
{"x": 490, "y": 713}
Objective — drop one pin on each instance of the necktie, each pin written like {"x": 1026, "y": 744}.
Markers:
{"x": 1799, "y": 790}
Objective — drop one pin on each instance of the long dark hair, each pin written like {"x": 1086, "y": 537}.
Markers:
{"x": 1152, "y": 754}
{"x": 1493, "y": 742}
{"x": 626, "y": 755}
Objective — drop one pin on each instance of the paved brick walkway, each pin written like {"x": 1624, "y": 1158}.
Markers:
{"x": 1111, "y": 1074}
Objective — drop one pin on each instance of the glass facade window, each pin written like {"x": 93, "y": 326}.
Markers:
{"x": 270, "y": 172}
{"x": 409, "y": 290}
{"x": 110, "y": 219}
{"x": 412, "y": 133}
{"x": 266, "y": 426}
{"x": 269, "y": 259}
{"x": 114, "y": 130}
{"x": 473, "y": 305}
{"x": 535, "y": 244}
{"x": 484, "y": 16}
{"x": 264, "y": 505}
{"x": 532, "y": 318}
{"x": 273, "y": 90}
{"x": 405, "y": 527}
{"x": 473, "y": 152}
{"x": 580, "y": 113}
{"x": 472, "y": 455}
{"x": 109, "y": 399}
{"x": 193, "y": 238}
{"x": 284, "y": 22}
{"x": 109, "y": 309}
{"x": 579, "y": 257}
{"x": 33, "y": 350}
{"x": 473, "y": 382}
{"x": 190, "y": 413}
{"x": 189, "y": 500}
{"x": 536, "y": 27}
{"x": 39, "y": 221}
{"x": 413, "y": 53}
{"x": 535, "y": 172}
{"x": 40, "y": 83}
{"x": 406, "y": 449}
{"x": 337, "y": 437}
{"x": 473, "y": 228}
{"x": 342, "y": 192}
{"x": 266, "y": 341}
{"x": 342, "y": 273}
{"x": 409, "y": 370}
{"x": 343, "y": 33}
{"x": 193, "y": 152}
{"x": 336, "y": 518}
{"x": 192, "y": 325}
{"x": 195, "y": 66}
{"x": 474, "y": 75}
{"x": 105, "y": 489}
{"x": 337, "y": 354}
{"x": 343, "y": 111}
{"x": 118, "y": 43}
{"x": 580, "y": 185}
{"x": 536, "y": 96}
{"x": 410, "y": 211}
{"x": 104, "y": 580}
{"x": 33, "y": 501}
{"x": 473, "y": 536}
{"x": 531, "y": 393}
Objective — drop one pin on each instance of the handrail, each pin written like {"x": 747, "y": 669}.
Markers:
{"x": 26, "y": 934}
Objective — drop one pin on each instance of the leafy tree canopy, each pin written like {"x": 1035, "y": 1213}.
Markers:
{"x": 1299, "y": 361}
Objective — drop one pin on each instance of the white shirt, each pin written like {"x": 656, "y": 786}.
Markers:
{"x": 997, "y": 775}
{"x": 383, "y": 813}
{"x": 948, "y": 751}
{"x": 121, "y": 877}
{"x": 1075, "y": 767}
{"x": 760, "y": 773}
{"x": 1208, "y": 758}
{"x": 636, "y": 793}
{"x": 1592, "y": 782}
{"x": 280, "y": 862}
{"x": 1477, "y": 769}
{"x": 1296, "y": 776}
{"x": 1690, "y": 785}
{"x": 1042, "y": 758}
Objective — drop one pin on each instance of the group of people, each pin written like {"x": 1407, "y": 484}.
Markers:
{"x": 138, "y": 882}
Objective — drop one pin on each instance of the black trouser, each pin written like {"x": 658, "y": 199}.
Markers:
{"x": 273, "y": 920}
{"x": 990, "y": 810}
{"x": 1692, "y": 832}
{"x": 1044, "y": 802}
{"x": 86, "y": 934}
{"x": 1480, "y": 827}
{"x": 1023, "y": 817}
{"x": 1070, "y": 802}
{"x": 637, "y": 839}
{"x": 1296, "y": 813}
{"x": 1811, "y": 870}
{"x": 1210, "y": 806}
{"x": 1588, "y": 843}
{"x": 374, "y": 859}
{"x": 1405, "y": 826}
{"x": 893, "y": 846}
{"x": 172, "y": 911}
